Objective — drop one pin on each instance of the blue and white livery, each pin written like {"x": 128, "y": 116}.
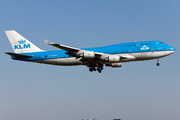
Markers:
{"x": 94, "y": 58}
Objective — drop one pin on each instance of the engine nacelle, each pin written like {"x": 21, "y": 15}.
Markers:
{"x": 115, "y": 65}
{"x": 89, "y": 55}
{"x": 112, "y": 58}
{"x": 86, "y": 54}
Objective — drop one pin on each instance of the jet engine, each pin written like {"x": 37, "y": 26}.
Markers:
{"x": 112, "y": 58}
{"x": 86, "y": 54}
{"x": 115, "y": 65}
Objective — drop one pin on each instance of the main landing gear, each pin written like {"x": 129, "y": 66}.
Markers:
{"x": 158, "y": 64}
{"x": 93, "y": 68}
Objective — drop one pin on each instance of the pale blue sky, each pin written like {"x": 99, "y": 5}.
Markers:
{"x": 137, "y": 91}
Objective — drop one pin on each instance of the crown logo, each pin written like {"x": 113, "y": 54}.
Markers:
{"x": 21, "y": 41}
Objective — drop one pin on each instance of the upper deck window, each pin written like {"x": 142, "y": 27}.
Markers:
{"x": 161, "y": 42}
{"x": 129, "y": 45}
{"x": 146, "y": 44}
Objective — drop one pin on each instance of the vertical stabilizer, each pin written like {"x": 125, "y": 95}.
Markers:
{"x": 20, "y": 44}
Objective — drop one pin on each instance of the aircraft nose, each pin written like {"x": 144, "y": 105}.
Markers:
{"x": 174, "y": 49}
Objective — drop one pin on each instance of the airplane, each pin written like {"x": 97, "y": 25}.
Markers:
{"x": 94, "y": 58}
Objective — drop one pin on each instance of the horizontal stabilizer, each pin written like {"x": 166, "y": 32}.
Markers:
{"x": 18, "y": 55}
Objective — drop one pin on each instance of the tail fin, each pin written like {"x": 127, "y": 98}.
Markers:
{"x": 20, "y": 44}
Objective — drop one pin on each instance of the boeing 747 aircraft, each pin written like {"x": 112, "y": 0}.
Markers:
{"x": 94, "y": 58}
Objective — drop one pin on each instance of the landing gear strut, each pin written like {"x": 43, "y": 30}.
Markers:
{"x": 158, "y": 64}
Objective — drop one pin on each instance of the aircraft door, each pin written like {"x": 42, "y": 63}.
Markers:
{"x": 130, "y": 51}
{"x": 42, "y": 57}
{"x": 152, "y": 50}
{"x": 138, "y": 46}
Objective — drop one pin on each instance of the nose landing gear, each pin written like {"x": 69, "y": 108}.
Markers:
{"x": 158, "y": 64}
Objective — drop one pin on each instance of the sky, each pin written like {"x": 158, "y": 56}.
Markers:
{"x": 137, "y": 91}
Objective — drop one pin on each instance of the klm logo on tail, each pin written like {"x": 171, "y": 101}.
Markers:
{"x": 22, "y": 45}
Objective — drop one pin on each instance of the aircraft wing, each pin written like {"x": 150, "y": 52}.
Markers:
{"x": 63, "y": 47}
{"x": 70, "y": 50}
{"x": 91, "y": 56}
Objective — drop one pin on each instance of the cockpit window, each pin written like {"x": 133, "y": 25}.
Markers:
{"x": 161, "y": 42}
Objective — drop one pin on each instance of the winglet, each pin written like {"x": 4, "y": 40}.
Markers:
{"x": 48, "y": 42}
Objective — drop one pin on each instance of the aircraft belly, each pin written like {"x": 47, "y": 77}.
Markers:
{"x": 158, "y": 54}
{"x": 63, "y": 61}
{"x": 135, "y": 57}
{"x": 151, "y": 55}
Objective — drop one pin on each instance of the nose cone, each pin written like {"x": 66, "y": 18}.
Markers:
{"x": 170, "y": 48}
{"x": 174, "y": 49}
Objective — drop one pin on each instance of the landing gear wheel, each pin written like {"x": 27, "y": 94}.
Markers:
{"x": 94, "y": 68}
{"x": 99, "y": 70}
{"x": 158, "y": 64}
{"x": 100, "y": 66}
{"x": 90, "y": 69}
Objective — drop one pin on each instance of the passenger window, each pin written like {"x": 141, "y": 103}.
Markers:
{"x": 161, "y": 42}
